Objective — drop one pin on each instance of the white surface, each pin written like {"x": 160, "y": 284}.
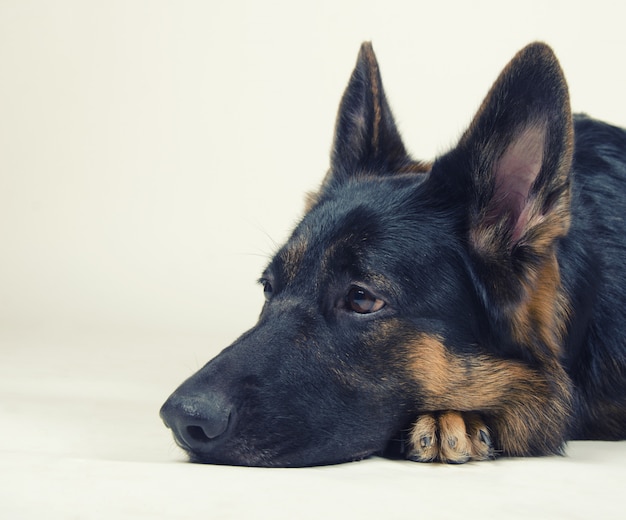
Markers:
{"x": 81, "y": 438}
{"x": 151, "y": 152}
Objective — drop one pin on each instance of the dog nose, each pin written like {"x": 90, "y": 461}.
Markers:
{"x": 197, "y": 421}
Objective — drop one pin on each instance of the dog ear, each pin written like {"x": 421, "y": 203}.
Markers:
{"x": 366, "y": 138}
{"x": 513, "y": 163}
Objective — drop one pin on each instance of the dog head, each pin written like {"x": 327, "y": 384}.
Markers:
{"x": 397, "y": 268}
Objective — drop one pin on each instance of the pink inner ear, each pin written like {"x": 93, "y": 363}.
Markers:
{"x": 515, "y": 173}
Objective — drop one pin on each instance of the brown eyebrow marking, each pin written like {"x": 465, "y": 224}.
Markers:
{"x": 293, "y": 255}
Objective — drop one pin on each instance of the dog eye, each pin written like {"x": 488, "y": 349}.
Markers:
{"x": 268, "y": 290}
{"x": 363, "y": 302}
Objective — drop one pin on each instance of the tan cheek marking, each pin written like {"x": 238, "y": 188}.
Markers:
{"x": 527, "y": 407}
{"x": 477, "y": 382}
{"x": 428, "y": 361}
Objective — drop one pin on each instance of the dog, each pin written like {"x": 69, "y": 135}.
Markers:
{"x": 455, "y": 310}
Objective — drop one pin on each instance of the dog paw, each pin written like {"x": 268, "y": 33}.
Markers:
{"x": 451, "y": 437}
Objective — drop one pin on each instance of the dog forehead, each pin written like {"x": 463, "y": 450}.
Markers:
{"x": 343, "y": 229}
{"x": 364, "y": 226}
{"x": 324, "y": 234}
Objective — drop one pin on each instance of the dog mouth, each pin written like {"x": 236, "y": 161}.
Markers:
{"x": 243, "y": 452}
{"x": 218, "y": 443}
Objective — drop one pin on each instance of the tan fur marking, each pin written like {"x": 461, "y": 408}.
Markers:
{"x": 520, "y": 400}
{"x": 487, "y": 240}
{"x": 476, "y": 382}
{"x": 417, "y": 167}
{"x": 292, "y": 256}
{"x": 412, "y": 167}
{"x": 376, "y": 93}
{"x": 310, "y": 200}
{"x": 544, "y": 312}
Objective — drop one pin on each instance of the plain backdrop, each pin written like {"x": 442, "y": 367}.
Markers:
{"x": 153, "y": 155}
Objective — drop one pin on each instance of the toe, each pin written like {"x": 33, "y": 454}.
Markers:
{"x": 423, "y": 440}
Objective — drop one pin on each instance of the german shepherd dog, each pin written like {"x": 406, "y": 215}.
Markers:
{"x": 456, "y": 310}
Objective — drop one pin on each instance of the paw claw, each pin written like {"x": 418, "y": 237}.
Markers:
{"x": 458, "y": 460}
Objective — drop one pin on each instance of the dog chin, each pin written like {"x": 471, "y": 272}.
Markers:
{"x": 267, "y": 459}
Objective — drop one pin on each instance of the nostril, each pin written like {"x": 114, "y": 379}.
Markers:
{"x": 197, "y": 434}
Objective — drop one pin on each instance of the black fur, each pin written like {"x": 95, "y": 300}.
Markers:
{"x": 470, "y": 307}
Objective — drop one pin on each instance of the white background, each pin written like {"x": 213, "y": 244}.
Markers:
{"x": 153, "y": 154}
